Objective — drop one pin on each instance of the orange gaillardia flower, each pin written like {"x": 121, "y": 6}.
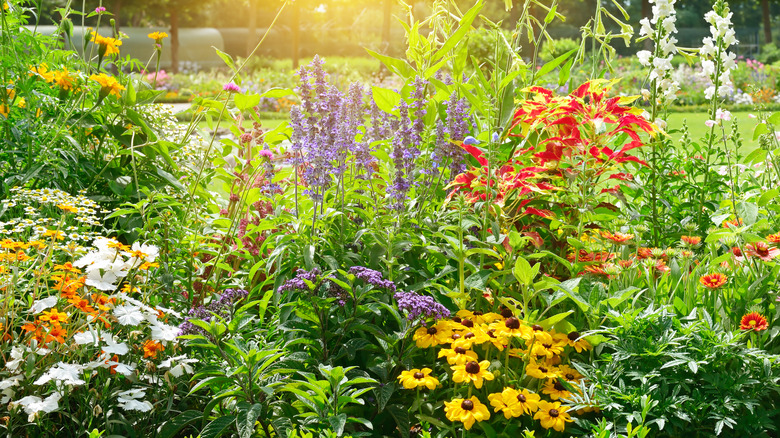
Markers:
{"x": 762, "y": 251}
{"x": 691, "y": 240}
{"x": 774, "y": 238}
{"x": 754, "y": 321}
{"x": 151, "y": 348}
{"x": 713, "y": 281}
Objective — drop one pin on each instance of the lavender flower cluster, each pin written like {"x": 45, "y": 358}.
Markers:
{"x": 220, "y": 306}
{"x": 299, "y": 282}
{"x": 372, "y": 277}
{"x": 420, "y": 307}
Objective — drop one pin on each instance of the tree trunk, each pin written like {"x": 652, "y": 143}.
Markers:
{"x": 251, "y": 40}
{"x": 296, "y": 33}
{"x": 647, "y": 12}
{"x": 174, "y": 39}
{"x": 118, "y": 13}
{"x": 767, "y": 21}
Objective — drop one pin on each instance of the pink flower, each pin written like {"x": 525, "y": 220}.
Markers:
{"x": 230, "y": 87}
{"x": 100, "y": 9}
{"x": 710, "y": 123}
{"x": 722, "y": 115}
{"x": 266, "y": 153}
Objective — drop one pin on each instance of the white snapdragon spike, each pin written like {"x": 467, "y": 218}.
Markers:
{"x": 714, "y": 52}
{"x": 661, "y": 29}
{"x": 131, "y": 400}
{"x": 34, "y": 405}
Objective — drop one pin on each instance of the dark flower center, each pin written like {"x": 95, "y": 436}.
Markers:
{"x": 492, "y": 333}
{"x": 456, "y": 319}
{"x": 506, "y": 313}
{"x": 478, "y": 313}
{"x": 468, "y": 405}
{"x": 569, "y": 376}
{"x": 543, "y": 369}
{"x": 418, "y": 375}
{"x": 554, "y": 413}
{"x": 547, "y": 345}
{"x": 559, "y": 387}
{"x": 432, "y": 331}
{"x": 472, "y": 367}
{"x": 456, "y": 336}
{"x": 736, "y": 251}
{"x": 460, "y": 350}
{"x": 469, "y": 335}
{"x": 521, "y": 398}
{"x": 573, "y": 336}
{"x": 538, "y": 328}
{"x": 762, "y": 249}
{"x": 512, "y": 323}
{"x": 468, "y": 323}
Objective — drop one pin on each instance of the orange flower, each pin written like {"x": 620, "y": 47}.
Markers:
{"x": 108, "y": 46}
{"x": 691, "y": 240}
{"x": 774, "y": 238}
{"x": 67, "y": 267}
{"x": 753, "y": 321}
{"x": 151, "y": 348}
{"x": 82, "y": 304}
{"x": 617, "y": 237}
{"x": 54, "y": 234}
{"x": 713, "y": 281}
{"x": 732, "y": 223}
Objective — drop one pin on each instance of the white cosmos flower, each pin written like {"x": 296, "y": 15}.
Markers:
{"x": 41, "y": 305}
{"x": 33, "y": 405}
{"x": 128, "y": 314}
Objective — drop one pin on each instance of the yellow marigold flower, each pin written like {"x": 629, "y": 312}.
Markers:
{"x": 145, "y": 266}
{"x": 472, "y": 372}
{"x": 65, "y": 79}
{"x": 54, "y": 317}
{"x": 108, "y": 46}
{"x": 553, "y": 415}
{"x": 467, "y": 411}
{"x": 555, "y": 389}
{"x": 541, "y": 371}
{"x": 158, "y": 36}
{"x": 54, "y": 234}
{"x": 436, "y": 334}
{"x": 4, "y": 109}
{"x": 458, "y": 355}
{"x": 42, "y": 71}
{"x": 514, "y": 403}
{"x": 416, "y": 378}
{"x": 108, "y": 85}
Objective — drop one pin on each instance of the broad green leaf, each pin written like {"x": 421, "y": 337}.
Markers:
{"x": 464, "y": 25}
{"x": 385, "y": 99}
{"x": 760, "y": 130}
{"x": 555, "y": 319}
{"x": 217, "y": 427}
{"x": 550, "y": 66}
{"x": 172, "y": 427}
{"x": 226, "y": 58}
{"x": 246, "y": 420}
{"x": 246, "y": 101}
{"x": 397, "y": 66}
{"x": 767, "y": 196}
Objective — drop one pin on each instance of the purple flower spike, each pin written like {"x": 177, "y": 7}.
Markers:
{"x": 230, "y": 87}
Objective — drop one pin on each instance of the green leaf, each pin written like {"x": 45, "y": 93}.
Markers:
{"x": 523, "y": 271}
{"x": 548, "y": 67}
{"x": 774, "y": 118}
{"x": 130, "y": 96}
{"x": 397, "y": 66}
{"x": 760, "y": 130}
{"x": 551, "y": 15}
{"x": 276, "y": 93}
{"x": 748, "y": 212}
{"x": 246, "y": 101}
{"x": 170, "y": 178}
{"x": 565, "y": 73}
{"x": 767, "y": 196}
{"x": 246, "y": 420}
{"x": 555, "y": 319}
{"x": 507, "y": 104}
{"x": 337, "y": 423}
{"x": 217, "y": 427}
{"x": 464, "y": 25}
{"x": 478, "y": 280}
{"x": 225, "y": 57}
{"x": 385, "y": 99}
{"x": 172, "y": 427}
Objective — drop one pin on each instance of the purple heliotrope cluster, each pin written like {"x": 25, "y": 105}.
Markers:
{"x": 372, "y": 277}
{"x": 298, "y": 283}
{"x": 220, "y": 306}
{"x": 420, "y": 307}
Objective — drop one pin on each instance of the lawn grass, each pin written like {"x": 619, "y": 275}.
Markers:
{"x": 697, "y": 129}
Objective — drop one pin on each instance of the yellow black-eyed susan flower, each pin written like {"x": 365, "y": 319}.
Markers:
{"x": 467, "y": 411}
{"x": 416, "y": 378}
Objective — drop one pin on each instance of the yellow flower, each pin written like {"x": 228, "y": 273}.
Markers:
{"x": 467, "y": 411}
{"x": 64, "y": 79}
{"x": 547, "y": 350}
{"x": 458, "y": 355}
{"x": 568, "y": 373}
{"x": 42, "y": 71}
{"x": 513, "y": 327}
{"x": 436, "y": 334}
{"x": 108, "y": 46}
{"x": 555, "y": 389}
{"x": 415, "y": 378}
{"x": 553, "y": 415}
{"x": 470, "y": 337}
{"x": 108, "y": 85}
{"x": 514, "y": 403}
{"x": 574, "y": 340}
{"x": 541, "y": 371}
{"x": 472, "y": 372}
{"x": 158, "y": 36}
{"x": 497, "y": 339}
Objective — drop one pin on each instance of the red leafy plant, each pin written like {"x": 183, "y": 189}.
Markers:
{"x": 563, "y": 163}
